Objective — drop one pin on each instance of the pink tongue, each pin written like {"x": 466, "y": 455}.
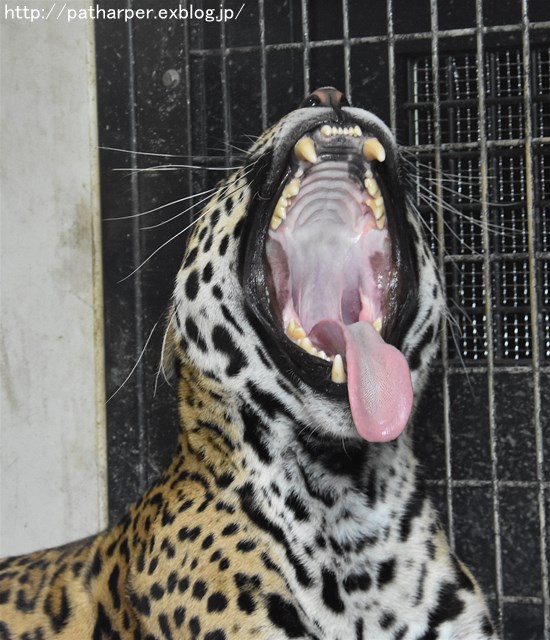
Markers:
{"x": 379, "y": 384}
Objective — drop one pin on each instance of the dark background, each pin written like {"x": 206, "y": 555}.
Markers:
{"x": 194, "y": 93}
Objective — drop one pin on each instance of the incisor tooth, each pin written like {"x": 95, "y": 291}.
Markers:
{"x": 338, "y": 374}
{"x": 326, "y": 130}
{"x": 305, "y": 150}
{"x": 373, "y": 150}
{"x": 291, "y": 189}
{"x": 357, "y": 130}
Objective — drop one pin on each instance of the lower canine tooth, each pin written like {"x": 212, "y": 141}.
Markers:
{"x": 373, "y": 150}
{"x": 305, "y": 150}
{"x": 338, "y": 374}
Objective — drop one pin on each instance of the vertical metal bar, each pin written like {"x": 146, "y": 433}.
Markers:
{"x": 347, "y": 52}
{"x": 136, "y": 253}
{"x": 263, "y": 65}
{"x": 305, "y": 38}
{"x": 188, "y": 94}
{"x": 488, "y": 300}
{"x": 441, "y": 263}
{"x": 534, "y": 310}
{"x": 225, "y": 92}
{"x": 391, "y": 66}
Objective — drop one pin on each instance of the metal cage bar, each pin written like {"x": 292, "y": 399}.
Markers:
{"x": 526, "y": 50}
{"x": 483, "y": 165}
{"x": 440, "y": 230}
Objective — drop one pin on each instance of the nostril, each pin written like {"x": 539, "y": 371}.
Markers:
{"x": 326, "y": 97}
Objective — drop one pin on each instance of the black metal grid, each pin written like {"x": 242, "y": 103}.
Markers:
{"x": 465, "y": 86}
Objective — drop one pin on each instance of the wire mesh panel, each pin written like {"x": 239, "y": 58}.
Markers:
{"x": 466, "y": 87}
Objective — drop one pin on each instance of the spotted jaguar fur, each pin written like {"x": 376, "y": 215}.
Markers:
{"x": 294, "y": 507}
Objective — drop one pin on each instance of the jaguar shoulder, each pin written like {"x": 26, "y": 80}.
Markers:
{"x": 305, "y": 317}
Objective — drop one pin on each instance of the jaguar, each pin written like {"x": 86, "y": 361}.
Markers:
{"x": 304, "y": 320}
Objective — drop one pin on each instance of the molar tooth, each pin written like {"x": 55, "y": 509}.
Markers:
{"x": 381, "y": 221}
{"x": 338, "y": 374}
{"x": 326, "y": 130}
{"x": 369, "y": 174}
{"x": 323, "y": 355}
{"x": 377, "y": 324}
{"x": 373, "y": 150}
{"x": 305, "y": 150}
{"x": 275, "y": 222}
{"x": 280, "y": 211}
{"x": 295, "y": 331}
{"x": 372, "y": 187}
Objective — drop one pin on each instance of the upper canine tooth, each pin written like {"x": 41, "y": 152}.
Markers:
{"x": 305, "y": 150}
{"x": 338, "y": 374}
{"x": 373, "y": 150}
{"x": 326, "y": 130}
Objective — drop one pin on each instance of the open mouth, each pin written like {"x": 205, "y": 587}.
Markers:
{"x": 332, "y": 277}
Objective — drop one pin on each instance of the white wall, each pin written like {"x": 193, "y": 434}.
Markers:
{"x": 52, "y": 425}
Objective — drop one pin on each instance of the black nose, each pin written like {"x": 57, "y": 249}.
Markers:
{"x": 326, "y": 97}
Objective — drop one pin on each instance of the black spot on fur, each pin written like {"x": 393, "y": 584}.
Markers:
{"x": 253, "y": 436}
{"x": 223, "y": 245}
{"x": 165, "y": 626}
{"x": 113, "y": 586}
{"x": 216, "y": 602}
{"x": 191, "y": 256}
{"x": 386, "y": 572}
{"x": 449, "y": 606}
{"x": 207, "y": 273}
{"x": 283, "y": 614}
{"x": 179, "y": 616}
{"x": 193, "y": 332}
{"x": 357, "y": 582}
{"x": 192, "y": 285}
{"x": 330, "y": 593}
{"x": 230, "y": 529}
{"x": 238, "y": 229}
{"x": 223, "y": 342}
{"x": 59, "y": 615}
{"x": 415, "y": 356}
{"x": 246, "y": 602}
{"x": 246, "y": 545}
{"x": 258, "y": 517}
{"x": 217, "y": 634}
{"x": 199, "y": 589}
{"x": 218, "y": 293}
{"x": 297, "y": 506}
{"x": 413, "y": 510}
{"x": 359, "y": 625}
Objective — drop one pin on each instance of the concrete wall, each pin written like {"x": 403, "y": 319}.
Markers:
{"x": 52, "y": 427}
